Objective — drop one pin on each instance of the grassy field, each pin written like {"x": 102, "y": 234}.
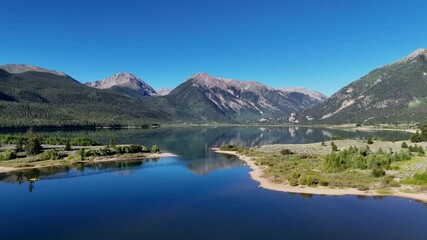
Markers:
{"x": 379, "y": 165}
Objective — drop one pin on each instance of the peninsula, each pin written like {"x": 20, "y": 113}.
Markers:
{"x": 340, "y": 167}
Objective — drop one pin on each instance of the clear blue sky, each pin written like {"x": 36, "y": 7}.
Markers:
{"x": 319, "y": 44}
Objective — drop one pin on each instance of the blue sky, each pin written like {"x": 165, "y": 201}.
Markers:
{"x": 319, "y": 44}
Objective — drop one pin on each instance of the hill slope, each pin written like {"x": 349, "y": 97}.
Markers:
{"x": 393, "y": 93}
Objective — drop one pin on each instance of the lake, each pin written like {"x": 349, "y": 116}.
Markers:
{"x": 197, "y": 195}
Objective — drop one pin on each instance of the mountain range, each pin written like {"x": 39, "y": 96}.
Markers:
{"x": 35, "y": 96}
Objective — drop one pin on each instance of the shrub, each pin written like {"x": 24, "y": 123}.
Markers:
{"x": 286, "y": 152}
{"x": 394, "y": 184}
{"x": 48, "y": 155}
{"x": 420, "y": 136}
{"x": 293, "y": 182}
{"x": 323, "y": 182}
{"x": 404, "y": 145}
{"x": 228, "y": 147}
{"x": 417, "y": 149}
{"x": 323, "y": 144}
{"x": 67, "y": 146}
{"x": 370, "y": 140}
{"x": 19, "y": 147}
{"x": 129, "y": 149}
{"x": 136, "y": 149}
{"x": 364, "y": 151}
{"x": 334, "y": 147}
{"x": 155, "y": 149}
{"x": 81, "y": 153}
{"x": 402, "y": 155}
{"x": 416, "y": 137}
{"x": 362, "y": 187}
{"x": 7, "y": 155}
{"x": 306, "y": 179}
{"x": 377, "y": 171}
{"x": 333, "y": 163}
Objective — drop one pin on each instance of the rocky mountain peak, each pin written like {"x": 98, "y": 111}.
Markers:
{"x": 125, "y": 80}
{"x": 313, "y": 94}
{"x": 164, "y": 91}
{"x": 415, "y": 55}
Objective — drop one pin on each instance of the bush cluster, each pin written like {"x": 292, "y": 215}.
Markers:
{"x": 82, "y": 153}
{"x": 7, "y": 155}
{"x": 417, "y": 149}
{"x": 48, "y": 155}
{"x": 363, "y": 158}
{"x": 229, "y": 147}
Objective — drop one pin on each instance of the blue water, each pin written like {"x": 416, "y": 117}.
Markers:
{"x": 207, "y": 196}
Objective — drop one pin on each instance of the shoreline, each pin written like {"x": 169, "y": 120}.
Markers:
{"x": 258, "y": 175}
{"x": 131, "y": 157}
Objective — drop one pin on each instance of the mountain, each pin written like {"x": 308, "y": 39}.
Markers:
{"x": 393, "y": 93}
{"x": 21, "y": 68}
{"x": 34, "y": 96}
{"x": 164, "y": 91}
{"x": 125, "y": 84}
{"x": 221, "y": 99}
{"x": 312, "y": 94}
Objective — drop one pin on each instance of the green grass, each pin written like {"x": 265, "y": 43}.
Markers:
{"x": 385, "y": 191}
{"x": 419, "y": 179}
{"x": 407, "y": 191}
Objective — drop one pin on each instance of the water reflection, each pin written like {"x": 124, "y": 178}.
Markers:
{"x": 206, "y": 165}
{"x": 193, "y": 145}
{"x": 32, "y": 176}
{"x": 203, "y": 166}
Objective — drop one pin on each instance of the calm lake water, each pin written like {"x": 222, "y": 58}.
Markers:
{"x": 197, "y": 195}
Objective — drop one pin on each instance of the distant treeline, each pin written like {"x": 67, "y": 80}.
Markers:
{"x": 88, "y": 126}
{"x": 48, "y": 140}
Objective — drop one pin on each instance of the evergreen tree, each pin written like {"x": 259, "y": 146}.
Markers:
{"x": 33, "y": 145}
{"x": 67, "y": 146}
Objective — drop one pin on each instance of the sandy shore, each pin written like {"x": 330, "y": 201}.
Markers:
{"x": 96, "y": 160}
{"x": 257, "y": 175}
